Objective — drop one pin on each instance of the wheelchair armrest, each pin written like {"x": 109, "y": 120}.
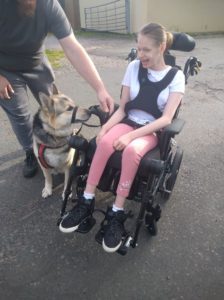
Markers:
{"x": 169, "y": 132}
{"x": 175, "y": 127}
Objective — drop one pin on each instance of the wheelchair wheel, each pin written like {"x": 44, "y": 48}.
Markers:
{"x": 151, "y": 224}
{"x": 174, "y": 170}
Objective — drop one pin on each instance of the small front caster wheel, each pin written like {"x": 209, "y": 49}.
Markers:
{"x": 151, "y": 225}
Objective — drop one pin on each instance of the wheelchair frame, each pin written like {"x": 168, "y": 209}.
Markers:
{"x": 163, "y": 169}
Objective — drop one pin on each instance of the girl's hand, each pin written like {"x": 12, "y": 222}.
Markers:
{"x": 123, "y": 141}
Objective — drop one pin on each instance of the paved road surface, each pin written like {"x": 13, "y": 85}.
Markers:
{"x": 185, "y": 261}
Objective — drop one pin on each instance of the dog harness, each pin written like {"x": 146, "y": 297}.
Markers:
{"x": 41, "y": 150}
{"x": 149, "y": 91}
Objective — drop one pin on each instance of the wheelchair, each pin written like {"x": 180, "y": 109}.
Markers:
{"x": 158, "y": 169}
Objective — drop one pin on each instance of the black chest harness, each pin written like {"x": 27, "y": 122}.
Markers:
{"x": 149, "y": 91}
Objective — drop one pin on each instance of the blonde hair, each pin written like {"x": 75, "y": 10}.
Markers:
{"x": 158, "y": 33}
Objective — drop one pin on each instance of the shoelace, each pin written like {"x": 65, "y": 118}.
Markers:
{"x": 116, "y": 225}
{"x": 80, "y": 209}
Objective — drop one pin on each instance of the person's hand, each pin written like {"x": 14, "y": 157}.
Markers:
{"x": 106, "y": 101}
{"x": 122, "y": 141}
{"x": 6, "y": 89}
{"x": 102, "y": 132}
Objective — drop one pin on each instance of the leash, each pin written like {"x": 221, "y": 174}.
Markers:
{"x": 90, "y": 125}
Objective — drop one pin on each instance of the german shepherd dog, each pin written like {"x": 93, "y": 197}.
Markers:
{"x": 53, "y": 125}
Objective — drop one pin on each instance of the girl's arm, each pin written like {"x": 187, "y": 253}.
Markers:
{"x": 168, "y": 114}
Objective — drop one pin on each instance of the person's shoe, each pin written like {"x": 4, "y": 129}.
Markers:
{"x": 114, "y": 231}
{"x": 80, "y": 212}
{"x": 30, "y": 164}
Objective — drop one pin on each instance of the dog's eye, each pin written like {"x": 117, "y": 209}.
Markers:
{"x": 70, "y": 108}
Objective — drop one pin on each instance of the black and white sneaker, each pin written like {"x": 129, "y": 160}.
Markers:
{"x": 114, "y": 231}
{"x": 80, "y": 212}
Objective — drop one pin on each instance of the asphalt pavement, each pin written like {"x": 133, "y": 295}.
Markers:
{"x": 184, "y": 261}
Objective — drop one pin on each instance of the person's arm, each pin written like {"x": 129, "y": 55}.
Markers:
{"x": 85, "y": 67}
{"x": 168, "y": 114}
{"x": 6, "y": 89}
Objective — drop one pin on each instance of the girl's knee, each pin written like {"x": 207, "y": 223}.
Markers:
{"x": 105, "y": 144}
{"x": 131, "y": 153}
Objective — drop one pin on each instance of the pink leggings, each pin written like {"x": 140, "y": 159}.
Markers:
{"x": 131, "y": 157}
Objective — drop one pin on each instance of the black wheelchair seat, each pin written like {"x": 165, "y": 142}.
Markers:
{"x": 150, "y": 163}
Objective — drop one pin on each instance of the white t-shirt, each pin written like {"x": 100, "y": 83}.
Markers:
{"x": 131, "y": 80}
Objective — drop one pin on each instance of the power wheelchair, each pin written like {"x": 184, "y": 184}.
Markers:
{"x": 157, "y": 172}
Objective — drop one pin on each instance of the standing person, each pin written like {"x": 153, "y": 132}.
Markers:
{"x": 151, "y": 94}
{"x": 24, "y": 25}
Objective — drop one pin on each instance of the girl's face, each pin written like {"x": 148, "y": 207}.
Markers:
{"x": 149, "y": 53}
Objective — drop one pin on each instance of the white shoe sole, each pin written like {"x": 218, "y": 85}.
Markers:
{"x": 110, "y": 250}
{"x": 68, "y": 230}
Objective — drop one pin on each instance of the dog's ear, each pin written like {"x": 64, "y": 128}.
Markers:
{"x": 46, "y": 102}
{"x": 55, "y": 90}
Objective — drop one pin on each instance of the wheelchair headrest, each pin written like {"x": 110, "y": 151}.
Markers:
{"x": 182, "y": 42}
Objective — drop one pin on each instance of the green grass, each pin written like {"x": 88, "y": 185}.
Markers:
{"x": 55, "y": 57}
{"x": 102, "y": 34}
{"x": 132, "y": 36}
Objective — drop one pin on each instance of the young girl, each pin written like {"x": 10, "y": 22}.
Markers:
{"x": 150, "y": 96}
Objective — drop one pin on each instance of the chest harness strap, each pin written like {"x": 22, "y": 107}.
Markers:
{"x": 149, "y": 91}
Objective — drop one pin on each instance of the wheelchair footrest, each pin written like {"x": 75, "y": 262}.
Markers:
{"x": 86, "y": 225}
{"x": 126, "y": 243}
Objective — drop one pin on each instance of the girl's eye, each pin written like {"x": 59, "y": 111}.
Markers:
{"x": 144, "y": 50}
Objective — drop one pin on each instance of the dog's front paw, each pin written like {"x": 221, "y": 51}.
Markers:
{"x": 46, "y": 192}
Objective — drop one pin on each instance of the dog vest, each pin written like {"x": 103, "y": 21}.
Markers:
{"x": 41, "y": 150}
{"x": 149, "y": 91}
